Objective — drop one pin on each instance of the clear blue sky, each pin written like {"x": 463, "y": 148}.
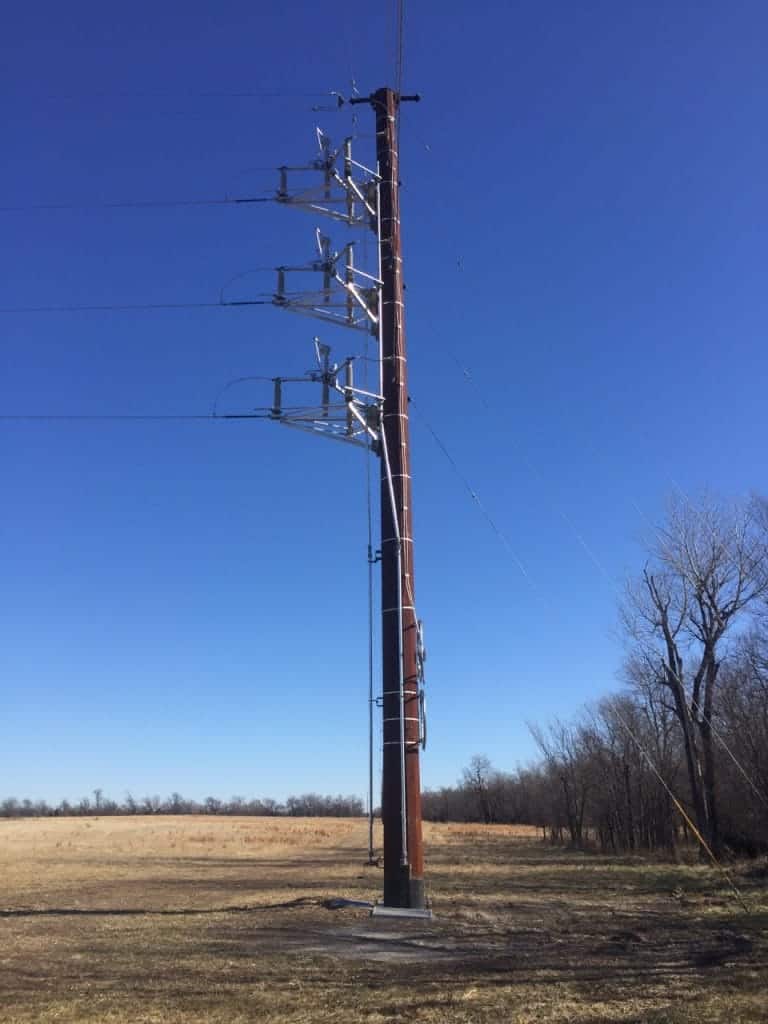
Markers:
{"x": 182, "y": 605}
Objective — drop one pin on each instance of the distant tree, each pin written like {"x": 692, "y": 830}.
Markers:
{"x": 176, "y": 804}
{"x": 264, "y": 806}
{"x": 236, "y": 805}
{"x": 477, "y": 780}
{"x": 313, "y": 805}
{"x": 570, "y": 773}
{"x": 9, "y": 808}
{"x": 151, "y": 804}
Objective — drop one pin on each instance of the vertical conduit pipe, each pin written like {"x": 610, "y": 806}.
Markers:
{"x": 400, "y": 668}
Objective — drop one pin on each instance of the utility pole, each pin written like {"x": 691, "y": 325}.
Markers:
{"x": 353, "y": 298}
{"x": 401, "y": 692}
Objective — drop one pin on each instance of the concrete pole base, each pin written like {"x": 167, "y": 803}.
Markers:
{"x": 380, "y": 910}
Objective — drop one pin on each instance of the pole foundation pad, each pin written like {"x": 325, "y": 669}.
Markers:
{"x": 380, "y": 910}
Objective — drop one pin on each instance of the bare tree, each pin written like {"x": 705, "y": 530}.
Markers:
{"x": 707, "y": 566}
{"x": 477, "y": 779}
{"x": 743, "y": 730}
{"x": 563, "y": 749}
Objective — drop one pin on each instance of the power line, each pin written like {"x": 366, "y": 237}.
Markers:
{"x": 469, "y": 379}
{"x": 473, "y": 494}
{"x": 257, "y": 413}
{"x": 139, "y": 306}
{"x": 77, "y": 417}
{"x": 85, "y": 416}
{"x": 178, "y": 94}
{"x": 133, "y": 204}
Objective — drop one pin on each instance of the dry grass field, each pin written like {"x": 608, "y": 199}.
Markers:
{"x": 222, "y": 920}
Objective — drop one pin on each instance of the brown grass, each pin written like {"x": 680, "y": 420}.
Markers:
{"x": 221, "y": 920}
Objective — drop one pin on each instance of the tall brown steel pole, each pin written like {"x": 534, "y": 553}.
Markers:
{"x": 401, "y": 782}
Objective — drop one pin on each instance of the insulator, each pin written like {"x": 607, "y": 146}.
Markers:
{"x": 277, "y": 403}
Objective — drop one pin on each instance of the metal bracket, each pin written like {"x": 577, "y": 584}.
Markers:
{"x": 348, "y": 297}
{"x": 342, "y": 194}
{"x": 355, "y": 420}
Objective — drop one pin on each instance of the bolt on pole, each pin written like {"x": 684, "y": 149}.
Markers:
{"x": 401, "y": 782}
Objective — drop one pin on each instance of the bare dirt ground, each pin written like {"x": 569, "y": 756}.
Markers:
{"x": 161, "y": 919}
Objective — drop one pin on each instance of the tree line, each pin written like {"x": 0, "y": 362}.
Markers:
{"x": 308, "y": 805}
{"x": 681, "y": 753}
